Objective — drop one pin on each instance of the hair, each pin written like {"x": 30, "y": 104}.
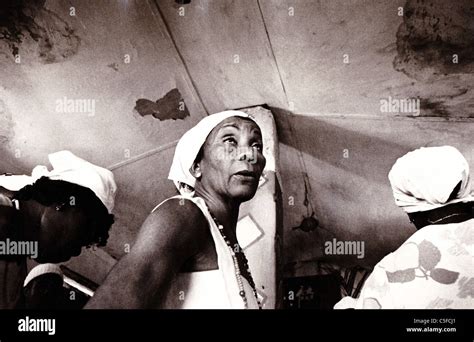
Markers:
{"x": 200, "y": 154}
{"x": 183, "y": 187}
{"x": 424, "y": 218}
{"x": 462, "y": 210}
{"x": 50, "y": 192}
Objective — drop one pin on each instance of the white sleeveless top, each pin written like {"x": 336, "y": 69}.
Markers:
{"x": 215, "y": 289}
{"x": 5, "y": 201}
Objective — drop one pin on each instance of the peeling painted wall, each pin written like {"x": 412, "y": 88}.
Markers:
{"x": 45, "y": 34}
{"x": 348, "y": 161}
{"x": 140, "y": 59}
{"x": 343, "y": 57}
{"x": 171, "y": 106}
{"x": 65, "y": 62}
{"x": 432, "y": 34}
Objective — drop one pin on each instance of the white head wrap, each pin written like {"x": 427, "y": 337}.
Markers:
{"x": 188, "y": 148}
{"x": 70, "y": 168}
{"x": 425, "y": 178}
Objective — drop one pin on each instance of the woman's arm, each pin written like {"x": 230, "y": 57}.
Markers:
{"x": 169, "y": 236}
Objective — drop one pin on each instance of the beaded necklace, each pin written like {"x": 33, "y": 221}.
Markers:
{"x": 238, "y": 273}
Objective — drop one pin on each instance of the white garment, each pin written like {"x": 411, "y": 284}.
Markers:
{"x": 5, "y": 201}
{"x": 425, "y": 178}
{"x": 41, "y": 269}
{"x": 433, "y": 269}
{"x": 70, "y": 168}
{"x": 215, "y": 289}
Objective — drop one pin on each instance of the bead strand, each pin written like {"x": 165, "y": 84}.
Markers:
{"x": 238, "y": 273}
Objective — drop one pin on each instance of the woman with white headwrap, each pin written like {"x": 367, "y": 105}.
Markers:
{"x": 49, "y": 216}
{"x": 186, "y": 254}
{"x": 434, "y": 268}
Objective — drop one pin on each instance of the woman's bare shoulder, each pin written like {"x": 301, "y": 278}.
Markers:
{"x": 179, "y": 211}
{"x": 176, "y": 224}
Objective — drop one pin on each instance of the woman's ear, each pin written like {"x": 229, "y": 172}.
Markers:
{"x": 196, "y": 170}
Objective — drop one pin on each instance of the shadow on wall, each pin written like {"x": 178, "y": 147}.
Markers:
{"x": 313, "y": 137}
{"x": 352, "y": 197}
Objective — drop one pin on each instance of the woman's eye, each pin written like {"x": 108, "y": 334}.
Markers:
{"x": 258, "y": 146}
{"x": 230, "y": 140}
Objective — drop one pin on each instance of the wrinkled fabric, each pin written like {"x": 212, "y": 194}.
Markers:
{"x": 424, "y": 179}
{"x": 70, "y": 168}
{"x": 215, "y": 289}
{"x": 433, "y": 269}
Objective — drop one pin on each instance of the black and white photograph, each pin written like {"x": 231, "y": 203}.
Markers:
{"x": 295, "y": 156}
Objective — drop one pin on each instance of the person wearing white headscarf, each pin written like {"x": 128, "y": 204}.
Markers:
{"x": 186, "y": 254}
{"x": 50, "y": 215}
{"x": 434, "y": 268}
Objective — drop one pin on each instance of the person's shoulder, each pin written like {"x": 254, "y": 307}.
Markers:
{"x": 179, "y": 213}
{"x": 177, "y": 225}
{"x": 180, "y": 208}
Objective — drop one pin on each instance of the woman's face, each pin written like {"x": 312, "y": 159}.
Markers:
{"x": 232, "y": 160}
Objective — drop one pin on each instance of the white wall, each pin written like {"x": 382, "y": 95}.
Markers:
{"x": 233, "y": 54}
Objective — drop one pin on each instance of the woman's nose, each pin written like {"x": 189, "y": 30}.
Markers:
{"x": 246, "y": 153}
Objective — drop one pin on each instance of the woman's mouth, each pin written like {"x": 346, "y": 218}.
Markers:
{"x": 246, "y": 175}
